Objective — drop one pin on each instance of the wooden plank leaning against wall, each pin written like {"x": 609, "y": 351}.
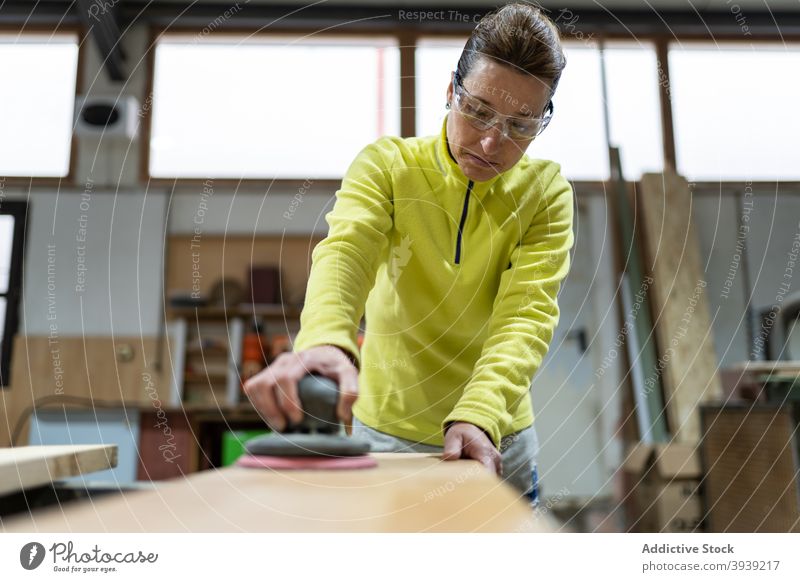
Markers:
{"x": 687, "y": 360}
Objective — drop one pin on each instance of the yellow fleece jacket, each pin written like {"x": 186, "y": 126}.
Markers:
{"x": 459, "y": 280}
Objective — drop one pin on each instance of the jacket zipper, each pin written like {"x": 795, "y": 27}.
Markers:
{"x": 463, "y": 220}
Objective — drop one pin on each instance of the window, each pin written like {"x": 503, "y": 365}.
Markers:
{"x": 576, "y": 113}
{"x": 435, "y": 60}
{"x": 576, "y": 136}
{"x": 634, "y": 108}
{"x": 735, "y": 111}
{"x": 263, "y": 107}
{"x": 39, "y": 73}
{"x": 12, "y": 230}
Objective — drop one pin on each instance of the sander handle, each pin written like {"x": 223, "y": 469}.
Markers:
{"x": 318, "y": 396}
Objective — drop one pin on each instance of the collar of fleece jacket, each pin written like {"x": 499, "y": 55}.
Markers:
{"x": 524, "y": 183}
{"x": 451, "y": 170}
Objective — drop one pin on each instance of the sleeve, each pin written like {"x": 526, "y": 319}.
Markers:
{"x": 345, "y": 262}
{"x": 524, "y": 316}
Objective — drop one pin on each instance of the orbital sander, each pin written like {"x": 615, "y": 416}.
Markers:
{"x": 317, "y": 442}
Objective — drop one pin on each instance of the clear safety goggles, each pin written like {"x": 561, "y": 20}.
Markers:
{"x": 482, "y": 117}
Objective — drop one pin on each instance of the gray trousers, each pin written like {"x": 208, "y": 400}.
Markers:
{"x": 518, "y": 450}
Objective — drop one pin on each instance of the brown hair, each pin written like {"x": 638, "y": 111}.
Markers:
{"x": 520, "y": 36}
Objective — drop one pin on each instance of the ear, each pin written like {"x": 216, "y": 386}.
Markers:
{"x": 450, "y": 87}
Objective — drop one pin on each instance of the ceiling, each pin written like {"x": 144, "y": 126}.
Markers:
{"x": 763, "y": 6}
{"x": 106, "y": 19}
{"x": 690, "y": 5}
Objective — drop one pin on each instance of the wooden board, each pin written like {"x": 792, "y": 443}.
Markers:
{"x": 26, "y": 467}
{"x": 405, "y": 493}
{"x": 680, "y": 307}
{"x": 783, "y": 367}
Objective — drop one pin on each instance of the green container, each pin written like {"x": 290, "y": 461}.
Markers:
{"x": 233, "y": 444}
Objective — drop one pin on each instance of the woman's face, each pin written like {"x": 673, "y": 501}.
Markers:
{"x": 481, "y": 155}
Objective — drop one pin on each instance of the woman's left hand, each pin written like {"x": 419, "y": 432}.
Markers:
{"x": 466, "y": 441}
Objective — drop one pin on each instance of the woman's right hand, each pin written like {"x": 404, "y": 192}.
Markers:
{"x": 273, "y": 391}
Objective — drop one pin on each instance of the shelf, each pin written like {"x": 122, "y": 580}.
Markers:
{"x": 208, "y": 352}
{"x": 244, "y": 310}
{"x": 244, "y": 408}
{"x": 204, "y": 378}
{"x": 203, "y": 396}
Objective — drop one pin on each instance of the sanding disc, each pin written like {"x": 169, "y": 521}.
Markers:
{"x": 306, "y": 463}
{"x": 306, "y": 445}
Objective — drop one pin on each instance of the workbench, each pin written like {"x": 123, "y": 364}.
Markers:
{"x": 780, "y": 379}
{"x": 406, "y": 492}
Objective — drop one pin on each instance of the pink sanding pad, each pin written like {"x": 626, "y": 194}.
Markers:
{"x": 302, "y": 463}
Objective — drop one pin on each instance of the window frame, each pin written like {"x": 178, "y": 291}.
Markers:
{"x": 662, "y": 44}
{"x": 407, "y": 38}
{"x": 668, "y": 116}
{"x": 83, "y": 37}
{"x": 13, "y": 295}
{"x": 406, "y": 42}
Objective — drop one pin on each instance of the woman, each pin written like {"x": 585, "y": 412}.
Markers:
{"x": 456, "y": 245}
